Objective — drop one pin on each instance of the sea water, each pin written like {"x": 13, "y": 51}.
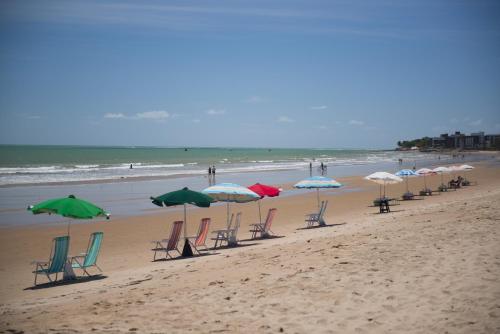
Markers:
{"x": 102, "y": 175}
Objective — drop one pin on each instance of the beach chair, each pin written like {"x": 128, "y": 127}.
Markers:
{"x": 313, "y": 218}
{"x": 408, "y": 196}
{"x": 57, "y": 260}
{"x": 222, "y": 234}
{"x": 169, "y": 245}
{"x": 89, "y": 259}
{"x": 264, "y": 228}
{"x": 384, "y": 206}
{"x": 229, "y": 235}
{"x": 199, "y": 240}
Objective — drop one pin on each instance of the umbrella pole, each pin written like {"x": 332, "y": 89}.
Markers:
{"x": 317, "y": 193}
{"x": 185, "y": 222}
{"x": 227, "y": 220}
{"x": 425, "y": 184}
{"x": 380, "y": 191}
{"x": 69, "y": 225}
{"x": 407, "y": 189}
{"x": 260, "y": 215}
{"x": 186, "y": 250}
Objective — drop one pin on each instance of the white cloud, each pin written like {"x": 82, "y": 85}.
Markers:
{"x": 255, "y": 99}
{"x": 476, "y": 122}
{"x": 285, "y": 119}
{"x": 355, "y": 122}
{"x": 33, "y": 117}
{"x": 114, "y": 115}
{"x": 454, "y": 120}
{"x": 322, "y": 127}
{"x": 154, "y": 115}
{"x": 196, "y": 120}
{"x": 318, "y": 108}
{"x": 213, "y": 112}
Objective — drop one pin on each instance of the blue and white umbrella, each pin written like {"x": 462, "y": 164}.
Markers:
{"x": 317, "y": 182}
{"x": 230, "y": 192}
{"x": 406, "y": 173}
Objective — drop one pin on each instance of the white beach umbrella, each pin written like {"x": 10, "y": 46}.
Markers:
{"x": 424, "y": 172}
{"x": 383, "y": 178}
{"x": 442, "y": 170}
{"x": 466, "y": 167}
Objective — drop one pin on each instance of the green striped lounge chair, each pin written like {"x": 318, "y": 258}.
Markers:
{"x": 199, "y": 240}
{"x": 89, "y": 259}
{"x": 57, "y": 260}
{"x": 169, "y": 245}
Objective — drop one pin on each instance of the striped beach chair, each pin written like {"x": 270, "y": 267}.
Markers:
{"x": 89, "y": 259}
{"x": 170, "y": 244}
{"x": 57, "y": 260}
{"x": 199, "y": 240}
{"x": 264, "y": 229}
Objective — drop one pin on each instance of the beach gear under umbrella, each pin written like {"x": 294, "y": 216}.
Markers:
{"x": 424, "y": 172}
{"x": 441, "y": 170}
{"x": 317, "y": 182}
{"x": 70, "y": 207}
{"x": 383, "y": 178}
{"x": 183, "y": 197}
{"x": 406, "y": 173}
{"x": 230, "y": 192}
{"x": 264, "y": 190}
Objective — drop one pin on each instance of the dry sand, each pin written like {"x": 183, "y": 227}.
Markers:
{"x": 430, "y": 266}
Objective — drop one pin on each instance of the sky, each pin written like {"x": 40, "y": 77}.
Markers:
{"x": 314, "y": 74}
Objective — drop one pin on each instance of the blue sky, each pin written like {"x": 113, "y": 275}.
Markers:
{"x": 338, "y": 74}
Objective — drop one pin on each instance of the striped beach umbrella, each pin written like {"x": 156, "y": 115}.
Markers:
{"x": 230, "y": 192}
{"x": 318, "y": 182}
{"x": 406, "y": 173}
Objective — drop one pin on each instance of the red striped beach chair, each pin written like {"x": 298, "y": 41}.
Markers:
{"x": 199, "y": 240}
{"x": 168, "y": 245}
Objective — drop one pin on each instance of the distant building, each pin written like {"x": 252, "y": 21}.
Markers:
{"x": 461, "y": 141}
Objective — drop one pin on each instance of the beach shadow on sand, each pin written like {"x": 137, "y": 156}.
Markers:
{"x": 319, "y": 226}
{"x": 78, "y": 280}
{"x": 384, "y": 213}
{"x": 264, "y": 238}
{"x": 180, "y": 257}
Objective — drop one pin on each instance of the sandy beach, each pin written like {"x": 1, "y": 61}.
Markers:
{"x": 430, "y": 266}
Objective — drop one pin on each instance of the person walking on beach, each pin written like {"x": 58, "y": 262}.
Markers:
{"x": 209, "y": 171}
{"x": 213, "y": 170}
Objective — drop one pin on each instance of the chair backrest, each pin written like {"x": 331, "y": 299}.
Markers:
{"x": 202, "y": 232}
{"x": 59, "y": 254}
{"x": 230, "y": 222}
{"x": 174, "y": 236}
{"x": 269, "y": 219}
{"x": 323, "y": 209}
{"x": 93, "y": 249}
{"x": 232, "y": 233}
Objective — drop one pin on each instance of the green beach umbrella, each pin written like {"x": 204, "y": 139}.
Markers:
{"x": 70, "y": 207}
{"x": 183, "y": 197}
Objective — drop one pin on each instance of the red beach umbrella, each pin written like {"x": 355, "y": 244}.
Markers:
{"x": 264, "y": 190}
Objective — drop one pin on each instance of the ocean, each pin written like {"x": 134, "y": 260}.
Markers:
{"x": 102, "y": 175}
{"x": 63, "y": 164}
